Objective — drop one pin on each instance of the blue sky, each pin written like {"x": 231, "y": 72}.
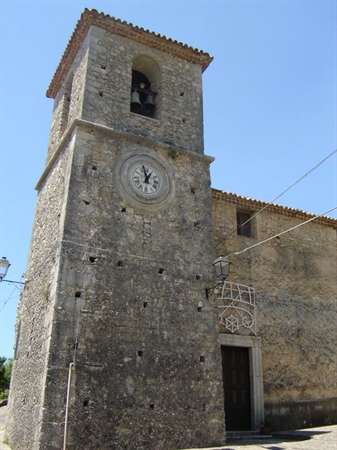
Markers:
{"x": 270, "y": 103}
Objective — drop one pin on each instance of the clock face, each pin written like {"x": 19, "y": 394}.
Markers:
{"x": 146, "y": 179}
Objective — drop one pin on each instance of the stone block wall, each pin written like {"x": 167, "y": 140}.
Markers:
{"x": 99, "y": 82}
{"x": 178, "y": 118}
{"x": 68, "y": 103}
{"x": 131, "y": 310}
{"x": 120, "y": 293}
{"x": 36, "y": 310}
{"x": 125, "y": 278}
{"x": 295, "y": 280}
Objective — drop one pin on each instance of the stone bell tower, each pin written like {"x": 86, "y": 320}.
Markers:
{"x": 116, "y": 345}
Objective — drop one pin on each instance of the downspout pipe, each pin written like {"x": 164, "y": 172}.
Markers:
{"x": 70, "y": 370}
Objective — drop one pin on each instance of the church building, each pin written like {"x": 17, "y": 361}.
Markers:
{"x": 125, "y": 340}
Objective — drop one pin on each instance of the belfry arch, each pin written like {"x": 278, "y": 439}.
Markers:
{"x": 145, "y": 86}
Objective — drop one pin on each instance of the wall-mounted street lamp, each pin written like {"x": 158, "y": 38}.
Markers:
{"x": 221, "y": 267}
{"x": 4, "y": 265}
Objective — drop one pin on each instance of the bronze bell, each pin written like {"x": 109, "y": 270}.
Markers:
{"x": 149, "y": 103}
{"x": 136, "y": 105}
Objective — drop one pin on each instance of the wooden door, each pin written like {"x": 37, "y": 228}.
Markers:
{"x": 236, "y": 381}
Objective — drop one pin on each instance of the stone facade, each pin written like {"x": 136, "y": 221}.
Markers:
{"x": 294, "y": 276}
{"x": 117, "y": 346}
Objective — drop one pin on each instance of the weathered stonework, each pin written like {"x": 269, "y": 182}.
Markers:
{"x": 122, "y": 349}
{"x": 295, "y": 280}
{"x": 117, "y": 345}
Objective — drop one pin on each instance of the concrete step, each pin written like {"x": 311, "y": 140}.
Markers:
{"x": 242, "y": 434}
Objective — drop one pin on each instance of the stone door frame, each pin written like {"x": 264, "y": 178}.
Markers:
{"x": 254, "y": 345}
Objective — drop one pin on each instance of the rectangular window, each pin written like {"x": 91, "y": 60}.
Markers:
{"x": 243, "y": 224}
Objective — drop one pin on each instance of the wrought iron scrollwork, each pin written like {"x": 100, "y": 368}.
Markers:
{"x": 236, "y": 306}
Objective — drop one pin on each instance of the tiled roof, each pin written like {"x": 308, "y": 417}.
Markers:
{"x": 92, "y": 17}
{"x": 256, "y": 205}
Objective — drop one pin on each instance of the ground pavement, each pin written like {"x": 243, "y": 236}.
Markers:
{"x": 323, "y": 438}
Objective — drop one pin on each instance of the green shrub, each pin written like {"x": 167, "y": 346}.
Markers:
{"x": 5, "y": 376}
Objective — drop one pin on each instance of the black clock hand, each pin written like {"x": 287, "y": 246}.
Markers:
{"x": 147, "y": 176}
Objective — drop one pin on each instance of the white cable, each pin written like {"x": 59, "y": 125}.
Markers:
{"x": 283, "y": 232}
{"x": 10, "y": 296}
{"x": 280, "y": 195}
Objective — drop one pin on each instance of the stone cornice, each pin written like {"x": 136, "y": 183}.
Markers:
{"x": 122, "y": 28}
{"x": 253, "y": 205}
{"x": 151, "y": 143}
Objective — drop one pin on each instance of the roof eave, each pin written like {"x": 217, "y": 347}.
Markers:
{"x": 91, "y": 17}
{"x": 257, "y": 205}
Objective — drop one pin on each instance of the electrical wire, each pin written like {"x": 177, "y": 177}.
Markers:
{"x": 283, "y": 232}
{"x": 276, "y": 198}
{"x": 10, "y": 296}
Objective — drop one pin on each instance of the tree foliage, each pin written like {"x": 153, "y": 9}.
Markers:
{"x": 5, "y": 373}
